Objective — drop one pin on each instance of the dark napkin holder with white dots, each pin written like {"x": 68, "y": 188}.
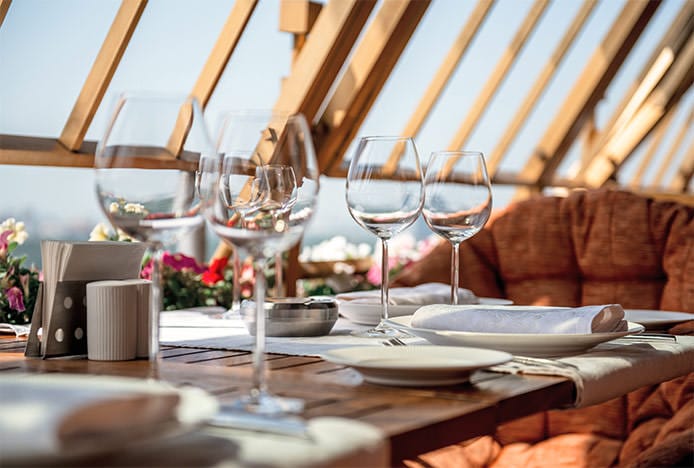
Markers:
{"x": 66, "y": 335}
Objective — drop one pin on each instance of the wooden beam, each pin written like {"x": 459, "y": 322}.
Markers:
{"x": 4, "y": 6}
{"x": 674, "y": 39}
{"x": 498, "y": 76}
{"x": 101, "y": 73}
{"x": 298, "y": 17}
{"x": 495, "y": 157}
{"x": 655, "y": 144}
{"x": 366, "y": 73}
{"x": 665, "y": 95}
{"x": 332, "y": 37}
{"x": 587, "y": 91}
{"x": 677, "y": 143}
{"x": 38, "y": 151}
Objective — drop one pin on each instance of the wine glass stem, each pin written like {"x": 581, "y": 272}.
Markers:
{"x": 155, "y": 303}
{"x": 259, "y": 377}
{"x": 236, "y": 280}
{"x": 278, "y": 275}
{"x": 455, "y": 269}
{"x": 385, "y": 296}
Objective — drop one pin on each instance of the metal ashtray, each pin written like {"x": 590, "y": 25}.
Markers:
{"x": 293, "y": 316}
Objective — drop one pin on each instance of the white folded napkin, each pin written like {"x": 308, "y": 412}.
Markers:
{"x": 51, "y": 414}
{"x": 521, "y": 319}
{"x": 427, "y": 293}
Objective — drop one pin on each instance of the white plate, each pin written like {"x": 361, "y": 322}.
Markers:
{"x": 370, "y": 314}
{"x": 42, "y": 401}
{"x": 416, "y": 366}
{"x": 526, "y": 344}
{"x": 656, "y": 319}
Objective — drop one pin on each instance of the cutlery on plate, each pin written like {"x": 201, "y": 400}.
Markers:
{"x": 649, "y": 337}
{"x": 525, "y": 360}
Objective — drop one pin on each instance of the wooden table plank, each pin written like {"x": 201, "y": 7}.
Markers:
{"x": 415, "y": 420}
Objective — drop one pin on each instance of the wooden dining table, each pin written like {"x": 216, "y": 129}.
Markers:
{"x": 414, "y": 420}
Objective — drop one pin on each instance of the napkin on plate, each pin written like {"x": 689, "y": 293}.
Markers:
{"x": 42, "y": 415}
{"x": 521, "y": 319}
{"x": 427, "y": 293}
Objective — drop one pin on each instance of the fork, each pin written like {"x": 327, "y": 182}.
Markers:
{"x": 526, "y": 360}
{"x": 394, "y": 341}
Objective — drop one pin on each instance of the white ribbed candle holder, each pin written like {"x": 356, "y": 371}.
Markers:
{"x": 111, "y": 321}
{"x": 143, "y": 291}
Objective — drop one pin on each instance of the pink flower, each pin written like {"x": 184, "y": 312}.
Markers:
{"x": 4, "y": 241}
{"x": 15, "y": 298}
{"x": 177, "y": 261}
{"x": 180, "y": 262}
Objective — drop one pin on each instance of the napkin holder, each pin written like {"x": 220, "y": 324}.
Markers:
{"x": 66, "y": 334}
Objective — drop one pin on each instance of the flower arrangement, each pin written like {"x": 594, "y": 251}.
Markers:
{"x": 18, "y": 284}
{"x": 403, "y": 250}
{"x": 187, "y": 283}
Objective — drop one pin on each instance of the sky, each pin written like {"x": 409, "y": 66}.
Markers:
{"x": 47, "y": 48}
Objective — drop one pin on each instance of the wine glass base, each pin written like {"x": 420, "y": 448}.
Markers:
{"x": 265, "y": 404}
{"x": 382, "y": 331}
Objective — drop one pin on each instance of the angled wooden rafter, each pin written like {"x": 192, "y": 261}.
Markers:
{"x": 228, "y": 39}
{"x": 318, "y": 64}
{"x": 654, "y": 145}
{"x": 672, "y": 151}
{"x": 662, "y": 57}
{"x": 315, "y": 69}
{"x": 214, "y": 68}
{"x": 369, "y": 68}
{"x": 496, "y": 156}
{"x": 587, "y": 91}
{"x": 498, "y": 76}
{"x": 4, "y": 6}
{"x": 102, "y": 71}
{"x": 671, "y": 88}
{"x": 448, "y": 66}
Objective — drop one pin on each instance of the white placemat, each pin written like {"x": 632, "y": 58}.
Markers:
{"x": 231, "y": 334}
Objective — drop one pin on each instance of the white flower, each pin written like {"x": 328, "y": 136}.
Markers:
{"x": 113, "y": 207}
{"x": 334, "y": 249}
{"x": 134, "y": 208}
{"x": 19, "y": 234}
{"x": 100, "y": 233}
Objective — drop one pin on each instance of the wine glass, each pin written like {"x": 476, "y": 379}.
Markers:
{"x": 384, "y": 193}
{"x": 145, "y": 167}
{"x": 458, "y": 200}
{"x": 262, "y": 196}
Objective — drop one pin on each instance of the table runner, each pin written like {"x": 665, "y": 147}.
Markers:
{"x": 609, "y": 370}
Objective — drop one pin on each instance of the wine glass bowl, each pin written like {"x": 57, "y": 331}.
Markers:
{"x": 384, "y": 195}
{"x": 261, "y": 197}
{"x": 145, "y": 175}
{"x": 458, "y": 200}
